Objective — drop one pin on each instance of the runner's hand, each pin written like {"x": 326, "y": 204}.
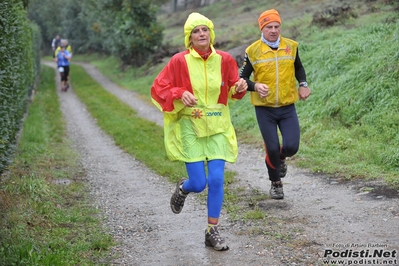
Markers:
{"x": 241, "y": 85}
{"x": 189, "y": 99}
{"x": 262, "y": 89}
{"x": 304, "y": 93}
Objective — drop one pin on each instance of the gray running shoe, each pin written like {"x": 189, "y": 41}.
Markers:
{"x": 283, "y": 169}
{"x": 213, "y": 239}
{"x": 276, "y": 190}
{"x": 178, "y": 197}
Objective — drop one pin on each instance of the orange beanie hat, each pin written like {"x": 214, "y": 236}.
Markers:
{"x": 268, "y": 16}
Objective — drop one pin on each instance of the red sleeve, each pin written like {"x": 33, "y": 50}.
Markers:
{"x": 171, "y": 82}
{"x": 234, "y": 77}
{"x": 229, "y": 76}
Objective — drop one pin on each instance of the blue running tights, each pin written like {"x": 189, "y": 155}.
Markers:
{"x": 197, "y": 181}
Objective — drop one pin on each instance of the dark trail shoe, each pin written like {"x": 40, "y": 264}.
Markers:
{"x": 213, "y": 239}
{"x": 178, "y": 198}
{"x": 276, "y": 190}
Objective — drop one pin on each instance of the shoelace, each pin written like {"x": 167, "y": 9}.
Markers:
{"x": 216, "y": 238}
{"x": 180, "y": 198}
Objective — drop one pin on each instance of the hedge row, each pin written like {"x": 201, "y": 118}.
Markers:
{"x": 19, "y": 65}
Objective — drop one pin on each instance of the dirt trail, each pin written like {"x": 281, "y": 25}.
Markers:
{"x": 318, "y": 212}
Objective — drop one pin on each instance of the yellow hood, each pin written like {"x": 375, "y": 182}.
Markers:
{"x": 196, "y": 19}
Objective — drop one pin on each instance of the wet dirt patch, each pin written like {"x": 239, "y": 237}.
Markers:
{"x": 274, "y": 205}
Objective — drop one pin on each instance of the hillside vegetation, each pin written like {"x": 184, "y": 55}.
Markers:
{"x": 350, "y": 51}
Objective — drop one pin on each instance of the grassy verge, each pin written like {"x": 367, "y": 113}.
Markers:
{"x": 45, "y": 209}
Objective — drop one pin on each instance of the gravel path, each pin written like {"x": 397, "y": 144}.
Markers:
{"x": 320, "y": 213}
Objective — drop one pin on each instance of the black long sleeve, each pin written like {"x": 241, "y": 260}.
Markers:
{"x": 246, "y": 72}
{"x": 300, "y": 73}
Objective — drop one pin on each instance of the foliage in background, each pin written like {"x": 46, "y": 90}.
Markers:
{"x": 46, "y": 14}
{"x": 127, "y": 29}
{"x": 36, "y": 45}
{"x": 45, "y": 220}
{"x": 19, "y": 62}
{"x": 130, "y": 30}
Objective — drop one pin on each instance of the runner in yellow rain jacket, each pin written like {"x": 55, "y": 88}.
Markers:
{"x": 193, "y": 92}
{"x": 203, "y": 132}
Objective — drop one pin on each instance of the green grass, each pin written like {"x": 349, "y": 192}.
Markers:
{"x": 43, "y": 223}
{"x": 349, "y": 125}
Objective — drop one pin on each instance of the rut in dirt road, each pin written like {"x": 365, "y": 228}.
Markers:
{"x": 320, "y": 213}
